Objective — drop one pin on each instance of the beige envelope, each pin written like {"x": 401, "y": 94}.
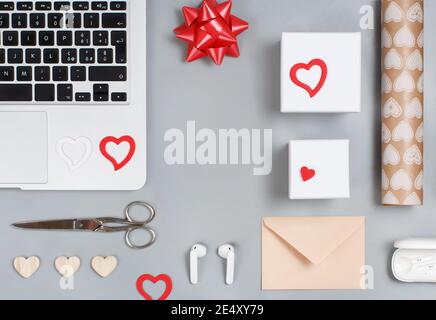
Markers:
{"x": 312, "y": 252}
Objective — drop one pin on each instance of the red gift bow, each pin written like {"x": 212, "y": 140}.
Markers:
{"x": 211, "y": 30}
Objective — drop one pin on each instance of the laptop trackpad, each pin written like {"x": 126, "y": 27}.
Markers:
{"x": 23, "y": 147}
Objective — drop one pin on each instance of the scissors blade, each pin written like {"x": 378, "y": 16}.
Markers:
{"x": 48, "y": 225}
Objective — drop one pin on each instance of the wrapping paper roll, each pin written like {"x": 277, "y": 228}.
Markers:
{"x": 402, "y": 101}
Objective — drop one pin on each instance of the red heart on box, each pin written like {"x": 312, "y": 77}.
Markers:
{"x": 315, "y": 62}
{"x": 148, "y": 277}
{"x": 307, "y": 174}
{"x": 103, "y": 149}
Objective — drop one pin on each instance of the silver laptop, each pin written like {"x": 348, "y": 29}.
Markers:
{"x": 73, "y": 95}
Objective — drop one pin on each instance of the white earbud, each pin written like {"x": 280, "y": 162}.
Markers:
{"x": 197, "y": 251}
{"x": 226, "y": 251}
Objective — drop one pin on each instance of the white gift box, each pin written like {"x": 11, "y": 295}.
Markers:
{"x": 321, "y": 72}
{"x": 319, "y": 169}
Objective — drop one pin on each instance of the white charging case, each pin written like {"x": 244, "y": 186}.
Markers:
{"x": 414, "y": 260}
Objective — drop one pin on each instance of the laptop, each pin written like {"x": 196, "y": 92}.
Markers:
{"x": 73, "y": 95}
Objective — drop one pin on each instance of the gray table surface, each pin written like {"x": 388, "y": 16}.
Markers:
{"x": 219, "y": 204}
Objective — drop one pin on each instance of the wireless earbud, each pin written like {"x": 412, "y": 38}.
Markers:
{"x": 197, "y": 251}
{"x": 226, "y": 251}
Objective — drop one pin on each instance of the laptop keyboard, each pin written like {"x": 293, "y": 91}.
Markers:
{"x": 63, "y": 52}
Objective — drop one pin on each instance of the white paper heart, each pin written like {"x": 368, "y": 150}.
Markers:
{"x": 391, "y": 156}
{"x": 403, "y": 132}
{"x": 393, "y": 60}
{"x": 386, "y": 39}
{"x": 404, "y": 38}
{"x": 401, "y": 181}
{"x": 393, "y": 13}
{"x": 390, "y": 199}
{"x": 412, "y": 200}
{"x": 386, "y": 133}
{"x": 414, "y": 61}
{"x": 386, "y": 83}
{"x": 75, "y": 152}
{"x": 104, "y": 266}
{"x": 67, "y": 266}
{"x": 392, "y": 108}
{"x": 414, "y": 109}
{"x": 404, "y": 83}
{"x": 26, "y": 267}
{"x": 413, "y": 156}
{"x": 415, "y": 13}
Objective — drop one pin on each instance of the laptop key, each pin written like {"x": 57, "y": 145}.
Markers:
{"x": 118, "y": 5}
{"x": 24, "y": 74}
{"x": 62, "y": 6}
{"x": 37, "y": 20}
{"x": 2, "y": 55}
{"x": 119, "y": 41}
{"x": 101, "y": 92}
{"x": 15, "y": 56}
{"x": 91, "y": 20}
{"x": 7, "y": 6}
{"x": 51, "y": 56}
{"x": 78, "y": 73}
{"x": 99, "y": 5}
{"x": 44, "y": 92}
{"x": 46, "y": 38}
{"x": 119, "y": 96}
{"x": 60, "y": 73}
{"x": 69, "y": 55}
{"x": 15, "y": 92}
{"x": 25, "y": 6}
{"x": 107, "y": 73}
{"x": 83, "y": 96}
{"x": 80, "y": 5}
{"x": 55, "y": 20}
{"x": 28, "y": 38}
{"x": 42, "y": 73}
{"x": 10, "y": 38}
{"x": 114, "y": 20}
{"x": 43, "y": 6}
{"x": 4, "y": 20}
{"x": 65, "y": 92}
{"x": 19, "y": 20}
{"x": 6, "y": 74}
{"x": 33, "y": 56}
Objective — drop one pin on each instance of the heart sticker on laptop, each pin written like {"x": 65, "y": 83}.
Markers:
{"x": 154, "y": 280}
{"x": 75, "y": 152}
{"x": 307, "y": 174}
{"x": 305, "y": 76}
{"x": 119, "y": 151}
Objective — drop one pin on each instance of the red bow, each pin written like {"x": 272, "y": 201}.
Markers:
{"x": 211, "y": 30}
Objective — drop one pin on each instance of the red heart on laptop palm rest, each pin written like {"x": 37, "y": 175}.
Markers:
{"x": 308, "y": 66}
{"x": 148, "y": 277}
{"x": 307, "y": 174}
{"x": 118, "y": 164}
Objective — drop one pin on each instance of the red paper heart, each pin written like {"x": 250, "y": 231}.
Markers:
{"x": 315, "y": 62}
{"x": 307, "y": 174}
{"x": 118, "y": 165}
{"x": 148, "y": 277}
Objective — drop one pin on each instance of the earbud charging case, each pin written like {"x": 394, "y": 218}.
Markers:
{"x": 414, "y": 260}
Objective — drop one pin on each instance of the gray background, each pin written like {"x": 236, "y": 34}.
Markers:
{"x": 213, "y": 204}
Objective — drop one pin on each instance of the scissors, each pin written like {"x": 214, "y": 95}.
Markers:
{"x": 103, "y": 225}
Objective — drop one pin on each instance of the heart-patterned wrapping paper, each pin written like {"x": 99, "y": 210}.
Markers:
{"x": 402, "y": 102}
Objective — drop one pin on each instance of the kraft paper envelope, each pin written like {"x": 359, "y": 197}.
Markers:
{"x": 312, "y": 252}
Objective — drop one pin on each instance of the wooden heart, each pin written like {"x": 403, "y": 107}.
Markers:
{"x": 67, "y": 266}
{"x": 104, "y": 266}
{"x": 26, "y": 267}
